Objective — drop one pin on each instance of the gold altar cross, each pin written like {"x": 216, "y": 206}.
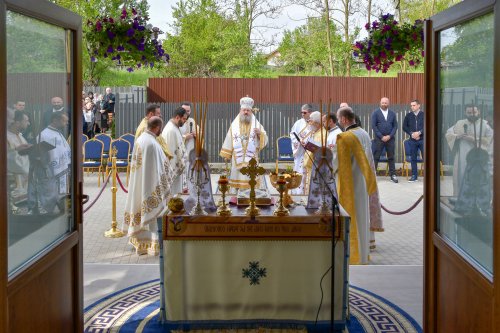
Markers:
{"x": 253, "y": 170}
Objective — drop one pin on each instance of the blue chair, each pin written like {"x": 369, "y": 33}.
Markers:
{"x": 284, "y": 152}
{"x": 93, "y": 158}
{"x": 120, "y": 149}
{"x": 407, "y": 158}
{"x": 84, "y": 138}
{"x": 106, "y": 140}
{"x": 131, "y": 139}
{"x": 382, "y": 159}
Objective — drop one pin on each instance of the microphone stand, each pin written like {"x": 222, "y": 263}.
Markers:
{"x": 334, "y": 209}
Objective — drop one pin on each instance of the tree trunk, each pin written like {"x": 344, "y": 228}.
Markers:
{"x": 346, "y": 37}
{"x": 369, "y": 23}
{"x": 328, "y": 37}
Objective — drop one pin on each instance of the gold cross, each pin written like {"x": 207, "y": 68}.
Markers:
{"x": 253, "y": 170}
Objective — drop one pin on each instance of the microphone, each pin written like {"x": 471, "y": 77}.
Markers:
{"x": 465, "y": 128}
{"x": 335, "y": 207}
{"x": 191, "y": 127}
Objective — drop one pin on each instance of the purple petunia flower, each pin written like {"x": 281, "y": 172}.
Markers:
{"x": 130, "y": 32}
{"x": 135, "y": 24}
{"x": 111, "y": 20}
{"x": 139, "y": 65}
{"x": 143, "y": 58}
{"x": 110, "y": 49}
{"x": 134, "y": 12}
{"x": 411, "y": 62}
{"x": 132, "y": 41}
{"x": 98, "y": 26}
{"x": 111, "y": 34}
{"x": 93, "y": 59}
{"x": 367, "y": 26}
{"x": 383, "y": 55}
{"x": 151, "y": 64}
{"x": 355, "y": 54}
{"x": 130, "y": 69}
{"x": 423, "y": 53}
{"x": 374, "y": 24}
{"x": 120, "y": 48}
{"x": 124, "y": 14}
{"x": 386, "y": 28}
{"x": 141, "y": 28}
{"x": 140, "y": 47}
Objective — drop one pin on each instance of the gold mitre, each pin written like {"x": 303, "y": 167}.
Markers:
{"x": 246, "y": 103}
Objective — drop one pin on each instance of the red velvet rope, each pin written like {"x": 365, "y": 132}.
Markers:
{"x": 404, "y": 211}
{"x": 120, "y": 182}
{"x": 98, "y": 195}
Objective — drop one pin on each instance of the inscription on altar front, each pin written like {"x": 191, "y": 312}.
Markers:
{"x": 265, "y": 229}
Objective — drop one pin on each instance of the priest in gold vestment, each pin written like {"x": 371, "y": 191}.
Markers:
{"x": 152, "y": 110}
{"x": 356, "y": 181}
{"x": 244, "y": 139}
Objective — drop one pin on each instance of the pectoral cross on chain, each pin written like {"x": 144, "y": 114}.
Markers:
{"x": 253, "y": 170}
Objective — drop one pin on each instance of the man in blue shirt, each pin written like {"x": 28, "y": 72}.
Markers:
{"x": 385, "y": 125}
{"x": 413, "y": 125}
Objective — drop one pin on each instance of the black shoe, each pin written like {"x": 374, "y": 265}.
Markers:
{"x": 413, "y": 179}
{"x": 394, "y": 179}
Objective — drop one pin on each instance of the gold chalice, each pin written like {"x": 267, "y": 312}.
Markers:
{"x": 293, "y": 180}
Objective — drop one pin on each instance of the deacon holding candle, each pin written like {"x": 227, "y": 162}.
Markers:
{"x": 244, "y": 139}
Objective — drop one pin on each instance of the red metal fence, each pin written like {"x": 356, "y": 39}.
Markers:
{"x": 289, "y": 89}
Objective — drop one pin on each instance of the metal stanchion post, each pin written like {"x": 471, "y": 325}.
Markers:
{"x": 114, "y": 232}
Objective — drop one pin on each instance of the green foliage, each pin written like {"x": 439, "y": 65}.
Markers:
{"x": 122, "y": 78}
{"x": 89, "y": 10}
{"x": 305, "y": 50}
{"x": 127, "y": 39}
{"x": 388, "y": 42}
{"x": 205, "y": 42}
{"x": 34, "y": 46}
{"x": 467, "y": 56}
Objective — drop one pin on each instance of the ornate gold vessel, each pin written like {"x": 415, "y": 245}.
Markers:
{"x": 293, "y": 180}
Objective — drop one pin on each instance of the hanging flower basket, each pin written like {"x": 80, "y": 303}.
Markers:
{"x": 128, "y": 40}
{"x": 389, "y": 42}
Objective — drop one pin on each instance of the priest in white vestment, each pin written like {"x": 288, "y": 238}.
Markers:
{"x": 188, "y": 131}
{"x": 149, "y": 190}
{"x": 356, "y": 182}
{"x": 52, "y": 173}
{"x": 152, "y": 110}
{"x": 175, "y": 142}
{"x": 18, "y": 164}
{"x": 301, "y": 129}
{"x": 461, "y": 138}
{"x": 244, "y": 140}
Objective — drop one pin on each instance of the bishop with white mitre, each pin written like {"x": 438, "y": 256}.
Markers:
{"x": 245, "y": 138}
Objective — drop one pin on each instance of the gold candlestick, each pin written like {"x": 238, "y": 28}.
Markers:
{"x": 281, "y": 210}
{"x": 223, "y": 210}
{"x": 252, "y": 171}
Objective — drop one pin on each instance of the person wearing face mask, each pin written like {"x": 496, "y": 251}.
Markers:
{"x": 466, "y": 134}
{"x": 151, "y": 178}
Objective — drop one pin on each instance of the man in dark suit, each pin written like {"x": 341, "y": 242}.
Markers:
{"x": 57, "y": 106}
{"x": 385, "y": 125}
{"x": 413, "y": 125}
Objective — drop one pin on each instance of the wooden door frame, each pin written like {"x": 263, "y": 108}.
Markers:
{"x": 433, "y": 242}
{"x": 56, "y": 15}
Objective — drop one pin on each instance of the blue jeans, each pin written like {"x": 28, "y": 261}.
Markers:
{"x": 415, "y": 146}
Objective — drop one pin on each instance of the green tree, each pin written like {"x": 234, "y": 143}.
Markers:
{"x": 89, "y": 10}
{"x": 205, "y": 42}
{"x": 304, "y": 50}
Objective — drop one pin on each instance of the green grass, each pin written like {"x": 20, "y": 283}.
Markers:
{"x": 122, "y": 78}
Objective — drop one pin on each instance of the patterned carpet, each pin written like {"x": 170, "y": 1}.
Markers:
{"x": 135, "y": 309}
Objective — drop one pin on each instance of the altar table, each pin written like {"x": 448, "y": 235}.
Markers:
{"x": 234, "y": 272}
